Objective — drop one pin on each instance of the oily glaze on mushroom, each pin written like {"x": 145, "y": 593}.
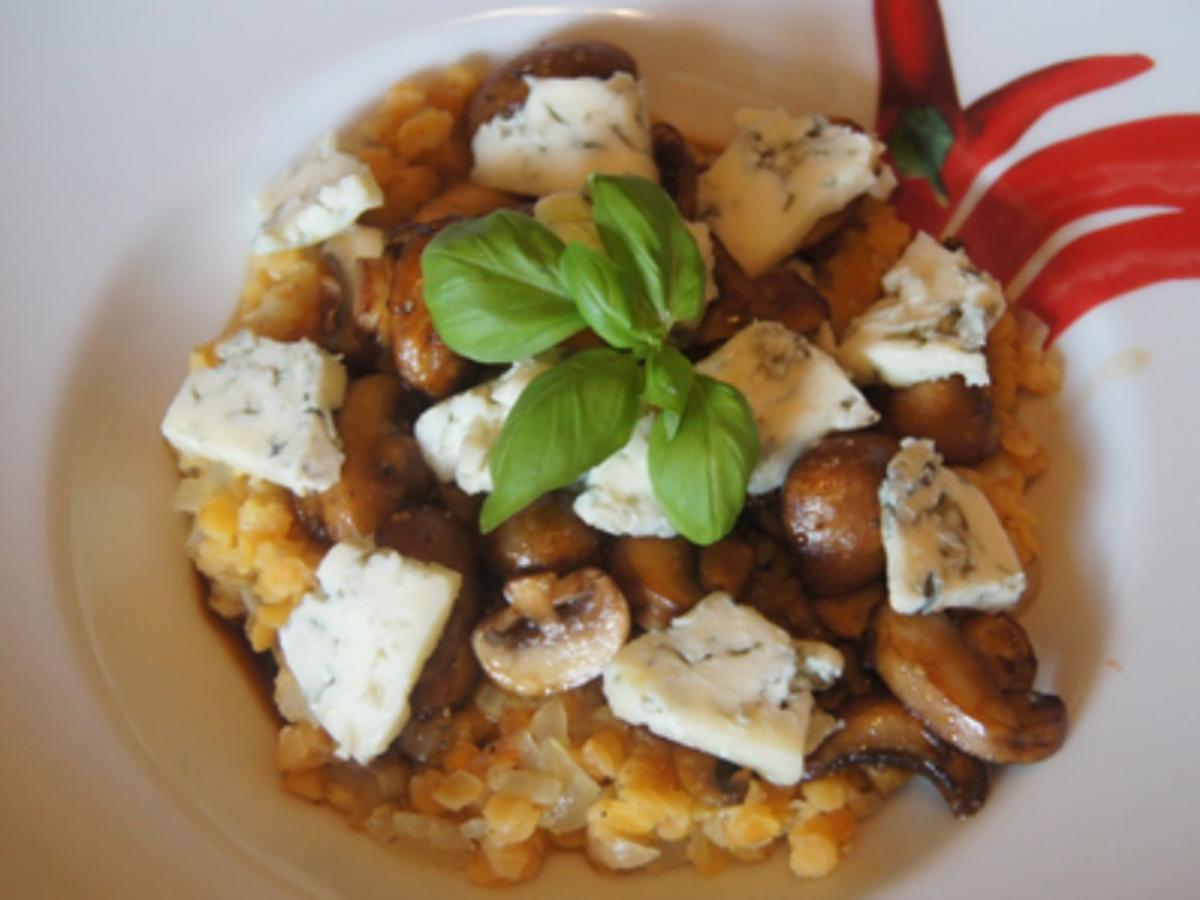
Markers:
{"x": 555, "y": 634}
{"x": 879, "y": 731}
{"x": 926, "y": 663}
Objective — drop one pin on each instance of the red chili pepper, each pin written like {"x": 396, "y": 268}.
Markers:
{"x": 1000, "y": 118}
{"x": 1152, "y": 162}
{"x": 1104, "y": 264}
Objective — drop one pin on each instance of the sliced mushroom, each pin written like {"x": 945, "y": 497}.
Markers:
{"x": 879, "y": 731}
{"x": 776, "y": 591}
{"x": 463, "y": 200}
{"x": 555, "y": 634}
{"x": 1003, "y": 647}
{"x": 927, "y": 664}
{"x": 544, "y": 536}
{"x": 676, "y": 169}
{"x": 778, "y": 295}
{"x": 658, "y": 575}
{"x": 383, "y": 470}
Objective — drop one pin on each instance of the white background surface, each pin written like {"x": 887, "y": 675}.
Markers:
{"x": 133, "y": 136}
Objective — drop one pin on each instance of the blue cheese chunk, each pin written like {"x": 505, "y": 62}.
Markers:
{"x": 566, "y": 129}
{"x": 797, "y": 394}
{"x": 932, "y": 323}
{"x": 721, "y": 679}
{"x": 356, "y": 647}
{"x": 456, "y": 435}
{"x": 778, "y": 177}
{"x": 316, "y": 198}
{"x": 265, "y": 409}
{"x": 944, "y": 543}
{"x": 618, "y": 496}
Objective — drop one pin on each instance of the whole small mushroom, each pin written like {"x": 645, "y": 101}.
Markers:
{"x": 555, "y": 634}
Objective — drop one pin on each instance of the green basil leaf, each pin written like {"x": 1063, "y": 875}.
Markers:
{"x": 606, "y": 300}
{"x": 642, "y": 230}
{"x": 700, "y": 475}
{"x": 669, "y": 379}
{"x": 493, "y": 290}
{"x": 919, "y": 142}
{"x": 570, "y": 418}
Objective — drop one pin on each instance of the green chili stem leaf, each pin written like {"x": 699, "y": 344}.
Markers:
{"x": 606, "y": 300}
{"x": 919, "y": 142}
{"x": 700, "y": 475}
{"x": 569, "y": 419}
{"x": 669, "y": 380}
{"x": 492, "y": 288}
{"x": 642, "y": 230}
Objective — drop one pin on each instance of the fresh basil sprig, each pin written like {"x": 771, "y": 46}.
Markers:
{"x": 503, "y": 287}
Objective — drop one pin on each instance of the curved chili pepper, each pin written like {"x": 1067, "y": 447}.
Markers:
{"x": 1104, "y": 264}
{"x": 1000, "y": 118}
{"x": 1151, "y": 162}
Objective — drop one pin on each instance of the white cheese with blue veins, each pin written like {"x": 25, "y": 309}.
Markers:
{"x": 566, "y": 129}
{"x": 356, "y": 647}
{"x": 265, "y": 409}
{"x": 456, "y": 435}
{"x": 932, "y": 323}
{"x": 318, "y": 197}
{"x": 721, "y": 679}
{"x": 618, "y": 496}
{"x": 778, "y": 177}
{"x": 945, "y": 545}
{"x": 797, "y": 395}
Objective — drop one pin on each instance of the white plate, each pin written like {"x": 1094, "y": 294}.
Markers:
{"x": 135, "y": 761}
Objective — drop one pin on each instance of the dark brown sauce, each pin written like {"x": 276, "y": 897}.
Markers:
{"x": 258, "y": 669}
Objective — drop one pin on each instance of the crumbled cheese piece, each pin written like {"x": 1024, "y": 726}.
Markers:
{"x": 778, "y": 177}
{"x": 933, "y": 324}
{"x": 456, "y": 435}
{"x": 357, "y": 646}
{"x": 318, "y": 197}
{"x": 721, "y": 679}
{"x": 566, "y": 129}
{"x": 618, "y": 496}
{"x": 797, "y": 394}
{"x": 265, "y": 409}
{"x": 945, "y": 545}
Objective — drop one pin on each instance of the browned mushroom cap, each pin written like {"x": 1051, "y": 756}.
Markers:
{"x": 391, "y": 304}
{"x": 544, "y": 536}
{"x": 383, "y": 470}
{"x": 555, "y": 634}
{"x": 778, "y": 295}
{"x": 926, "y": 663}
{"x": 880, "y": 731}
{"x": 831, "y": 511}
{"x": 1003, "y": 647}
{"x": 956, "y": 417}
{"x": 505, "y": 89}
{"x": 658, "y": 576}
{"x": 676, "y": 169}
